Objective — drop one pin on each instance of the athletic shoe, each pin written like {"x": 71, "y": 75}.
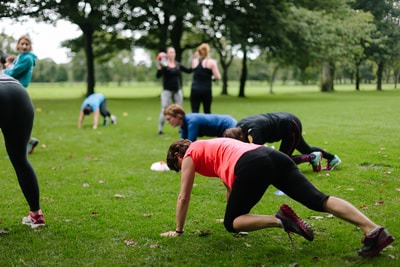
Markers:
{"x": 33, "y": 142}
{"x": 316, "y": 161}
{"x": 293, "y": 224}
{"x": 160, "y": 132}
{"x": 113, "y": 119}
{"x": 333, "y": 163}
{"x": 34, "y": 221}
{"x": 374, "y": 243}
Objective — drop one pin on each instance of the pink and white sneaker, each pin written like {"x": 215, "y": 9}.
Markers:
{"x": 34, "y": 221}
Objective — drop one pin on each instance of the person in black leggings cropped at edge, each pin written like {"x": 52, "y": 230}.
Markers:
{"x": 16, "y": 125}
{"x": 285, "y": 127}
{"x": 205, "y": 70}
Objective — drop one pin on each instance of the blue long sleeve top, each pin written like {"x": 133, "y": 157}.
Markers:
{"x": 199, "y": 124}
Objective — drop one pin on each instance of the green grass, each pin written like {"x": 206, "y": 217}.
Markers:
{"x": 89, "y": 225}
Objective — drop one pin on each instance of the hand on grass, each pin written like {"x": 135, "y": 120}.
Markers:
{"x": 171, "y": 234}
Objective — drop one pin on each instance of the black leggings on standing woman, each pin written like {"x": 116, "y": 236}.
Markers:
{"x": 16, "y": 122}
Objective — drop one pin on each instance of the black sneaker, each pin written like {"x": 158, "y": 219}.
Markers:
{"x": 293, "y": 224}
{"x": 374, "y": 243}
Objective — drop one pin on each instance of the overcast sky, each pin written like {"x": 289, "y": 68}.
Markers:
{"x": 46, "y": 39}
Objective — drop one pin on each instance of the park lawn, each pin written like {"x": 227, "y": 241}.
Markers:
{"x": 104, "y": 206}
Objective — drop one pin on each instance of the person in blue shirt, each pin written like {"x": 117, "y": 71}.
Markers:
{"x": 23, "y": 65}
{"x": 96, "y": 103}
{"x": 195, "y": 125}
{"x": 21, "y": 70}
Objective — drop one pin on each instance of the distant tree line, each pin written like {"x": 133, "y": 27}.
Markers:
{"x": 308, "y": 41}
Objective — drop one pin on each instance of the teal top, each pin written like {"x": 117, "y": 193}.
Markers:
{"x": 23, "y": 68}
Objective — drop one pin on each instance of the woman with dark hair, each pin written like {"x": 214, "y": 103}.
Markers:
{"x": 247, "y": 170}
{"x": 285, "y": 127}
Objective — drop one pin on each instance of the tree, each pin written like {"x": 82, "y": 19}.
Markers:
{"x": 163, "y": 23}
{"x": 386, "y": 39}
{"x": 90, "y": 16}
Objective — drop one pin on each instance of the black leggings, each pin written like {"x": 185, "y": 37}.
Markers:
{"x": 259, "y": 168}
{"x": 16, "y": 123}
{"x": 293, "y": 139}
{"x": 103, "y": 109}
{"x": 198, "y": 97}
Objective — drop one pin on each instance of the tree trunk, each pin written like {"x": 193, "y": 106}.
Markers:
{"x": 176, "y": 36}
{"x": 243, "y": 74}
{"x": 358, "y": 76}
{"x": 379, "y": 75}
{"x": 271, "y": 82}
{"x": 224, "y": 79}
{"x": 328, "y": 72}
{"x": 88, "y": 42}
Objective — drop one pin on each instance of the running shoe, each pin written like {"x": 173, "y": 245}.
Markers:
{"x": 333, "y": 163}
{"x": 34, "y": 221}
{"x": 316, "y": 161}
{"x": 113, "y": 119}
{"x": 293, "y": 224}
{"x": 374, "y": 243}
{"x": 33, "y": 142}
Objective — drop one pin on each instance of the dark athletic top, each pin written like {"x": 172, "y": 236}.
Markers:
{"x": 201, "y": 78}
{"x": 172, "y": 76}
{"x": 266, "y": 128}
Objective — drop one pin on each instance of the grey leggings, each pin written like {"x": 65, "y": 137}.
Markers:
{"x": 16, "y": 123}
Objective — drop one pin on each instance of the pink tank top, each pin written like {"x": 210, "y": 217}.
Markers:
{"x": 218, "y": 157}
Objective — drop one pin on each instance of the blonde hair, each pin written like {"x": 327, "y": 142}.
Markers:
{"x": 204, "y": 50}
{"x": 26, "y": 38}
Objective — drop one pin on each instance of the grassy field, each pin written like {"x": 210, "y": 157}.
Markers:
{"x": 105, "y": 207}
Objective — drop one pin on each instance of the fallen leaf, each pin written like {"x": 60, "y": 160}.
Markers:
{"x": 101, "y": 182}
{"x": 363, "y": 207}
{"x": 393, "y": 257}
{"x": 43, "y": 145}
{"x": 131, "y": 243}
{"x": 119, "y": 196}
{"x": 148, "y": 214}
{"x": 94, "y": 213}
{"x": 155, "y": 246}
{"x": 4, "y": 231}
{"x": 204, "y": 233}
{"x": 247, "y": 245}
{"x": 317, "y": 217}
{"x": 398, "y": 189}
{"x": 241, "y": 234}
{"x": 379, "y": 203}
{"x": 85, "y": 185}
{"x": 219, "y": 220}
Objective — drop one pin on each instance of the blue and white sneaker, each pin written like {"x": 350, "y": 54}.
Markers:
{"x": 333, "y": 163}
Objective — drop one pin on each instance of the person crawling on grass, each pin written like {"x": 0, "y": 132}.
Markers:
{"x": 96, "y": 103}
{"x": 16, "y": 124}
{"x": 284, "y": 127}
{"x": 247, "y": 170}
{"x": 195, "y": 125}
